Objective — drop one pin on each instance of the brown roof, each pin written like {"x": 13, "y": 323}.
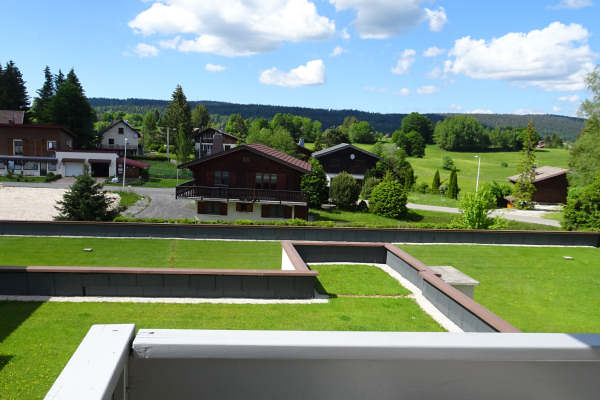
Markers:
{"x": 262, "y": 150}
{"x": 30, "y": 126}
{"x": 12, "y": 117}
{"x": 542, "y": 173}
{"x": 197, "y": 131}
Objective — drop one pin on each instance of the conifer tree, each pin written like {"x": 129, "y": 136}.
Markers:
{"x": 453, "y": 189}
{"x": 41, "y": 103}
{"x": 59, "y": 79}
{"x": 524, "y": 188}
{"x": 178, "y": 112}
{"x": 435, "y": 184}
{"x": 13, "y": 94}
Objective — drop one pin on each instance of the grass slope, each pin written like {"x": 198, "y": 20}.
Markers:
{"x": 148, "y": 253}
{"x": 533, "y": 288}
{"x": 364, "y": 280}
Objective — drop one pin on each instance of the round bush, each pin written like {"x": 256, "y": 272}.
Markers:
{"x": 388, "y": 199}
{"x": 344, "y": 190}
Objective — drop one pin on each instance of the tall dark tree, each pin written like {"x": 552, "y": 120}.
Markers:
{"x": 452, "y": 192}
{"x": 418, "y": 123}
{"x": 13, "y": 94}
{"x": 524, "y": 188}
{"x": 69, "y": 107}
{"x": 41, "y": 104}
{"x": 178, "y": 114}
{"x": 59, "y": 79}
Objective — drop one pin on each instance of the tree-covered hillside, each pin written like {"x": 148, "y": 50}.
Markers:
{"x": 566, "y": 127}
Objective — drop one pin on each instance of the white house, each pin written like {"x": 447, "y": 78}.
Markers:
{"x": 113, "y": 138}
{"x": 102, "y": 163}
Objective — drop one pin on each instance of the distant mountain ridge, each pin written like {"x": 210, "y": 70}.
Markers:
{"x": 546, "y": 124}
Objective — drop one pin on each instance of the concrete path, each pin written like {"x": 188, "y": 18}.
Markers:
{"x": 426, "y": 207}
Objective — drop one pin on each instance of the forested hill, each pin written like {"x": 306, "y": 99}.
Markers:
{"x": 566, "y": 127}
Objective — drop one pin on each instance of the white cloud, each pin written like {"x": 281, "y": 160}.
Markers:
{"x": 170, "y": 43}
{"x": 375, "y": 89}
{"x": 313, "y": 73}
{"x": 145, "y": 50}
{"x": 573, "y": 98}
{"x": 405, "y": 61}
{"x": 554, "y": 58}
{"x": 435, "y": 73}
{"x": 556, "y": 109}
{"x": 214, "y": 68}
{"x": 234, "y": 27}
{"x": 455, "y": 107}
{"x": 479, "y": 111}
{"x": 433, "y": 51}
{"x": 403, "y": 92}
{"x": 428, "y": 89}
{"x": 380, "y": 19}
{"x": 527, "y": 111}
{"x": 437, "y": 19}
{"x": 345, "y": 34}
{"x": 573, "y": 4}
{"x": 337, "y": 51}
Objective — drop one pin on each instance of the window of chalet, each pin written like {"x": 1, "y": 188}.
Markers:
{"x": 52, "y": 166}
{"x": 244, "y": 207}
{"x": 266, "y": 181}
{"x": 111, "y": 141}
{"x": 51, "y": 145}
{"x": 212, "y": 208}
{"x": 15, "y": 165}
{"x": 121, "y": 131}
{"x": 31, "y": 166}
{"x": 222, "y": 178}
{"x": 276, "y": 211}
{"x": 17, "y": 146}
{"x": 2, "y": 164}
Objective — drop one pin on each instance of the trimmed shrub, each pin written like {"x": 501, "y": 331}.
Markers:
{"x": 448, "y": 163}
{"x": 422, "y": 187}
{"x": 435, "y": 184}
{"x": 583, "y": 207}
{"x": 344, "y": 191}
{"x": 453, "y": 189}
{"x": 368, "y": 186}
{"x": 314, "y": 185}
{"x": 389, "y": 198}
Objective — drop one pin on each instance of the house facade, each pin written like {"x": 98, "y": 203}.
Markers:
{"x": 210, "y": 141}
{"x": 113, "y": 138}
{"x": 250, "y": 181}
{"x": 348, "y": 158}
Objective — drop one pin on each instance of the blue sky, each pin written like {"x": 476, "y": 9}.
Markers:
{"x": 392, "y": 55}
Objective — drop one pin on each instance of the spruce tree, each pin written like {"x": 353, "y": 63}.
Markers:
{"x": 453, "y": 189}
{"x": 524, "y": 188}
{"x": 178, "y": 112}
{"x": 59, "y": 79}
{"x": 41, "y": 103}
{"x": 85, "y": 201}
{"x": 435, "y": 184}
{"x": 13, "y": 94}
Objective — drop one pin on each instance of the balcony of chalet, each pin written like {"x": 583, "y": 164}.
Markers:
{"x": 191, "y": 190}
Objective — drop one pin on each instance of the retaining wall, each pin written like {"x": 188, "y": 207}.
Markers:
{"x": 241, "y": 232}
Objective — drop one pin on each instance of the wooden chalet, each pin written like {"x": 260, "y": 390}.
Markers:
{"x": 550, "y": 183}
{"x": 250, "y": 181}
{"x": 211, "y": 140}
{"x": 348, "y": 158}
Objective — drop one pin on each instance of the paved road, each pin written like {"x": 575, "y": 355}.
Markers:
{"x": 164, "y": 205}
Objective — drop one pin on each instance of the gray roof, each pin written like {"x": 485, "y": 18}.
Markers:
{"x": 542, "y": 173}
{"x": 11, "y": 116}
{"x": 342, "y": 146}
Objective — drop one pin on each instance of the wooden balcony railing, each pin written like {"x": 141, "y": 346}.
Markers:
{"x": 190, "y": 190}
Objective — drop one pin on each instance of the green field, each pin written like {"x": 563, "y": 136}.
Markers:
{"x": 147, "y": 253}
{"x": 127, "y": 198}
{"x": 533, "y": 288}
{"x": 360, "y": 280}
{"x": 37, "y": 339}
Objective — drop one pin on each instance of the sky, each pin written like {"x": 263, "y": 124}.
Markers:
{"x": 390, "y": 56}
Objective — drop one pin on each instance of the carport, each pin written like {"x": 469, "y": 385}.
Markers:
{"x": 73, "y": 166}
{"x": 100, "y": 168}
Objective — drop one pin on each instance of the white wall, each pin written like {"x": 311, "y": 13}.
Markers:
{"x": 112, "y": 169}
{"x": 113, "y": 133}
{"x": 233, "y": 214}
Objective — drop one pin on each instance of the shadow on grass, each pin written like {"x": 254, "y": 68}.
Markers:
{"x": 321, "y": 289}
{"x": 14, "y": 313}
{"x": 4, "y": 360}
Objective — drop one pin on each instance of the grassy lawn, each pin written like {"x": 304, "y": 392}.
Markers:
{"x": 432, "y": 199}
{"x": 557, "y": 216}
{"x": 364, "y": 280}
{"x": 153, "y": 182}
{"x": 4, "y": 178}
{"x": 127, "y": 198}
{"x": 37, "y": 339}
{"x": 533, "y": 288}
{"x": 147, "y": 253}
{"x": 166, "y": 169}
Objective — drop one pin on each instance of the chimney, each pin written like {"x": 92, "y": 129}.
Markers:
{"x": 217, "y": 145}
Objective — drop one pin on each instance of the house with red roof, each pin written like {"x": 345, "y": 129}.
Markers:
{"x": 249, "y": 181}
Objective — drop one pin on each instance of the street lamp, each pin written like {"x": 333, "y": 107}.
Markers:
{"x": 124, "y": 159}
{"x": 478, "y": 167}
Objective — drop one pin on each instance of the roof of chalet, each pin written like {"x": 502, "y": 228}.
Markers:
{"x": 118, "y": 122}
{"x": 17, "y": 117}
{"x": 30, "y": 126}
{"x": 542, "y": 173}
{"x": 261, "y": 150}
{"x": 339, "y": 147}
{"x": 197, "y": 131}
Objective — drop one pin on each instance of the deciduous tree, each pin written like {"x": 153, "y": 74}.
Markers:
{"x": 314, "y": 185}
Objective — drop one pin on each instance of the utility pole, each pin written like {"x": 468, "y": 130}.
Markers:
{"x": 168, "y": 144}
{"x": 478, "y": 168}
{"x": 124, "y": 165}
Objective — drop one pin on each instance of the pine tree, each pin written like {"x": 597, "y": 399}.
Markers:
{"x": 524, "y": 188}
{"x": 178, "y": 112}
{"x": 69, "y": 107}
{"x": 13, "y": 94}
{"x": 435, "y": 184}
{"x": 452, "y": 192}
{"x": 41, "y": 103}
{"x": 409, "y": 179}
{"x": 59, "y": 79}
{"x": 85, "y": 201}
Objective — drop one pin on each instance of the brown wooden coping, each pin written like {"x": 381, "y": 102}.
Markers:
{"x": 294, "y": 257}
{"x": 155, "y": 271}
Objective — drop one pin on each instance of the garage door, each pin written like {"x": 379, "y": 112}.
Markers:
{"x": 73, "y": 169}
